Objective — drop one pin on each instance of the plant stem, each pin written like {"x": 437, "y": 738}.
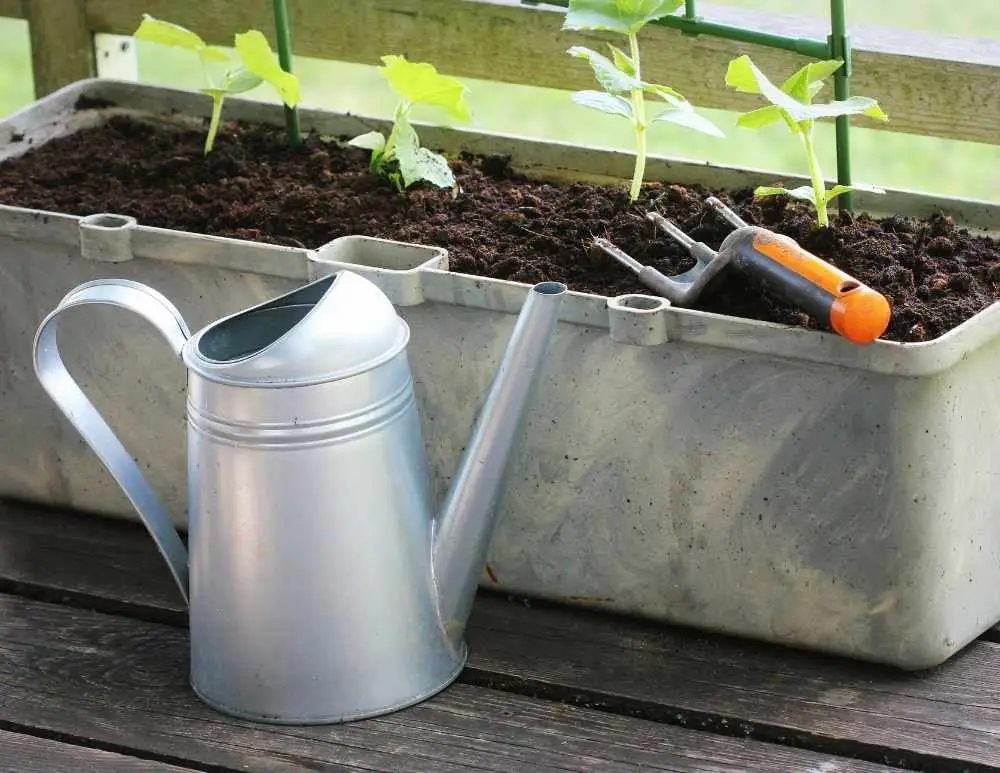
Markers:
{"x": 638, "y": 121}
{"x": 213, "y": 126}
{"x": 818, "y": 184}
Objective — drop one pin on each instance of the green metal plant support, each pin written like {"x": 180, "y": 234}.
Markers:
{"x": 284, "y": 35}
{"x": 840, "y": 48}
{"x": 836, "y": 46}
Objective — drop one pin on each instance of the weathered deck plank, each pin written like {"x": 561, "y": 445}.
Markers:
{"x": 93, "y": 559}
{"x": 122, "y": 683}
{"x": 928, "y": 719}
{"x": 28, "y": 754}
{"x": 947, "y": 719}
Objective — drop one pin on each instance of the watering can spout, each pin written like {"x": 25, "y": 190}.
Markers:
{"x": 464, "y": 524}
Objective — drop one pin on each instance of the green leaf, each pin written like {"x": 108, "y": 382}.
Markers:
{"x": 815, "y": 88}
{"x": 606, "y": 103}
{"x": 743, "y": 75}
{"x": 866, "y": 188}
{"x": 258, "y": 59}
{"x": 169, "y": 34}
{"x": 624, "y": 16}
{"x": 740, "y": 75}
{"x": 417, "y": 163}
{"x": 421, "y": 82}
{"x": 803, "y": 192}
{"x": 807, "y": 81}
{"x": 852, "y": 106}
{"x": 820, "y": 71}
{"x": 686, "y": 116}
{"x": 622, "y": 60}
{"x": 759, "y": 118}
{"x": 874, "y": 111}
{"x": 239, "y": 80}
{"x": 369, "y": 141}
{"x": 431, "y": 167}
{"x": 837, "y": 190}
{"x": 610, "y": 77}
{"x": 667, "y": 94}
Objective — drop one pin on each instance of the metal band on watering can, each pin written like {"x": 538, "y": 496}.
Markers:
{"x": 67, "y": 395}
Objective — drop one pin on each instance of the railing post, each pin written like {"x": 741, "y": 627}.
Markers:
{"x": 62, "y": 48}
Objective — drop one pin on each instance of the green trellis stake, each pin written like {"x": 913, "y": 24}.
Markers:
{"x": 840, "y": 48}
{"x": 284, "y": 34}
{"x": 836, "y": 46}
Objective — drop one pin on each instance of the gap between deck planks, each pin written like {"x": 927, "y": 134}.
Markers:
{"x": 21, "y": 753}
{"x": 946, "y": 719}
{"x": 121, "y": 684}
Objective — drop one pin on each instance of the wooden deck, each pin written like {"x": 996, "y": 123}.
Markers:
{"x": 93, "y": 676}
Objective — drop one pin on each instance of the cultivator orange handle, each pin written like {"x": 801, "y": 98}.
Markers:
{"x": 852, "y": 309}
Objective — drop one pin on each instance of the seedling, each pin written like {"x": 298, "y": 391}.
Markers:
{"x": 621, "y": 78}
{"x": 793, "y": 104}
{"x": 400, "y": 158}
{"x": 257, "y": 64}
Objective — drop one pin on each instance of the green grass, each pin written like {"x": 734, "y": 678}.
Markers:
{"x": 16, "y": 89}
{"x": 880, "y": 157}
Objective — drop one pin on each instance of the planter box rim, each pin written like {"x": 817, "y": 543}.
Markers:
{"x": 679, "y": 325}
{"x": 976, "y": 214}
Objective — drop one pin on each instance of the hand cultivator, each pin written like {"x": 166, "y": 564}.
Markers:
{"x": 845, "y": 305}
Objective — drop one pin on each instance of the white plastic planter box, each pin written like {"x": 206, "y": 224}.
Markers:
{"x": 733, "y": 475}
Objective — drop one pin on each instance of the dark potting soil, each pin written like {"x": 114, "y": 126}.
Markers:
{"x": 502, "y": 225}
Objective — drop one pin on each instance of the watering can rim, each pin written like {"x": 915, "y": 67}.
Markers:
{"x": 337, "y": 338}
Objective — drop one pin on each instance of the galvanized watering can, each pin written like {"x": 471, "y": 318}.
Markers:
{"x": 323, "y": 587}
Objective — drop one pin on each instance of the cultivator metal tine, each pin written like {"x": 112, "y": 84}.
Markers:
{"x": 730, "y": 217}
{"x": 682, "y": 289}
{"x": 701, "y": 252}
{"x": 620, "y": 255}
{"x": 671, "y": 230}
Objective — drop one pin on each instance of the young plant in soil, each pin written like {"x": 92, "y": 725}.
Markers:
{"x": 400, "y": 158}
{"x": 506, "y": 226}
{"x": 621, "y": 77}
{"x": 257, "y": 64}
{"x": 793, "y": 104}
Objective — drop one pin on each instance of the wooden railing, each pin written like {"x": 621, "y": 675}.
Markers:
{"x": 928, "y": 84}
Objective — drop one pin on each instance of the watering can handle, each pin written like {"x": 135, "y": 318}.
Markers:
{"x": 71, "y": 400}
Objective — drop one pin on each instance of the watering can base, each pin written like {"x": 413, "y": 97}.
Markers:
{"x": 342, "y": 716}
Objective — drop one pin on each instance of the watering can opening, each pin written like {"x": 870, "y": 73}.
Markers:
{"x": 250, "y": 332}
{"x": 333, "y": 328}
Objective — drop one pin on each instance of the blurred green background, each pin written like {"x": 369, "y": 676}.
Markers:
{"x": 899, "y": 161}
